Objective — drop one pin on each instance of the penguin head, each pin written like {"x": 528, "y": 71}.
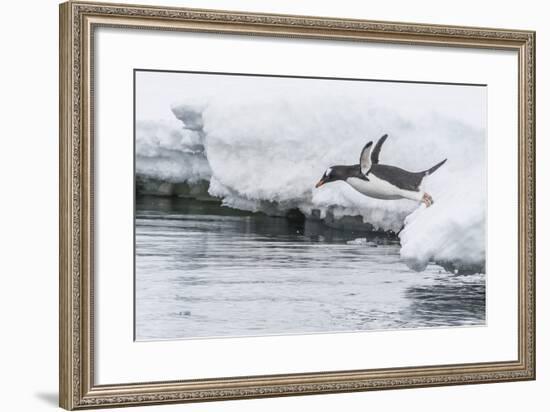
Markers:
{"x": 332, "y": 174}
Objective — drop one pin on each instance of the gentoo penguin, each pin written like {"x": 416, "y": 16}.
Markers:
{"x": 380, "y": 181}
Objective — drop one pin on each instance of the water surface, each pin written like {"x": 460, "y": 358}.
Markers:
{"x": 203, "y": 270}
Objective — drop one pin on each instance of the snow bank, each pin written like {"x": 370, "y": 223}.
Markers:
{"x": 167, "y": 151}
{"x": 452, "y": 230}
{"x": 265, "y": 150}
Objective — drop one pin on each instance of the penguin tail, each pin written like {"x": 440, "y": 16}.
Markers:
{"x": 434, "y": 168}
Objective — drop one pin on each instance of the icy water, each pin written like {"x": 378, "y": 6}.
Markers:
{"x": 203, "y": 270}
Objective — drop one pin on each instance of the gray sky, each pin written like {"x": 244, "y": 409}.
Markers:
{"x": 157, "y": 91}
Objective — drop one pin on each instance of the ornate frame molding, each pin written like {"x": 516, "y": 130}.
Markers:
{"x": 77, "y": 23}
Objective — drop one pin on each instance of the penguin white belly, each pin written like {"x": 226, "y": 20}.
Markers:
{"x": 381, "y": 189}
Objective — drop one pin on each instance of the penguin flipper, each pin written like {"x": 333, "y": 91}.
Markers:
{"x": 365, "y": 159}
{"x": 376, "y": 151}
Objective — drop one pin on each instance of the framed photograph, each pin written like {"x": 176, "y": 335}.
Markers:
{"x": 258, "y": 205}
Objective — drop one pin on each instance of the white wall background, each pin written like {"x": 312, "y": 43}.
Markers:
{"x": 28, "y": 205}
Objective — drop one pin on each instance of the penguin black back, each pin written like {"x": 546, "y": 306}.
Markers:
{"x": 401, "y": 178}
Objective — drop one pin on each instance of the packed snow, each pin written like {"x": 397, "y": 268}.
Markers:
{"x": 263, "y": 143}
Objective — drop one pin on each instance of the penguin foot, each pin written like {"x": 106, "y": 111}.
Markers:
{"x": 427, "y": 200}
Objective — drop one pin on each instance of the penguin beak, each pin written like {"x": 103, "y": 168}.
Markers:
{"x": 320, "y": 183}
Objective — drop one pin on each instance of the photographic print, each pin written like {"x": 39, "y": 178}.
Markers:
{"x": 268, "y": 205}
{"x": 285, "y": 185}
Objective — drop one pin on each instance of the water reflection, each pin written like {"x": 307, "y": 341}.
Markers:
{"x": 458, "y": 300}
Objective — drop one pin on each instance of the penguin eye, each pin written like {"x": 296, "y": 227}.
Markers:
{"x": 327, "y": 173}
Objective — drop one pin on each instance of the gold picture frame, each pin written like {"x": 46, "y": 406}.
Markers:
{"x": 78, "y": 21}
